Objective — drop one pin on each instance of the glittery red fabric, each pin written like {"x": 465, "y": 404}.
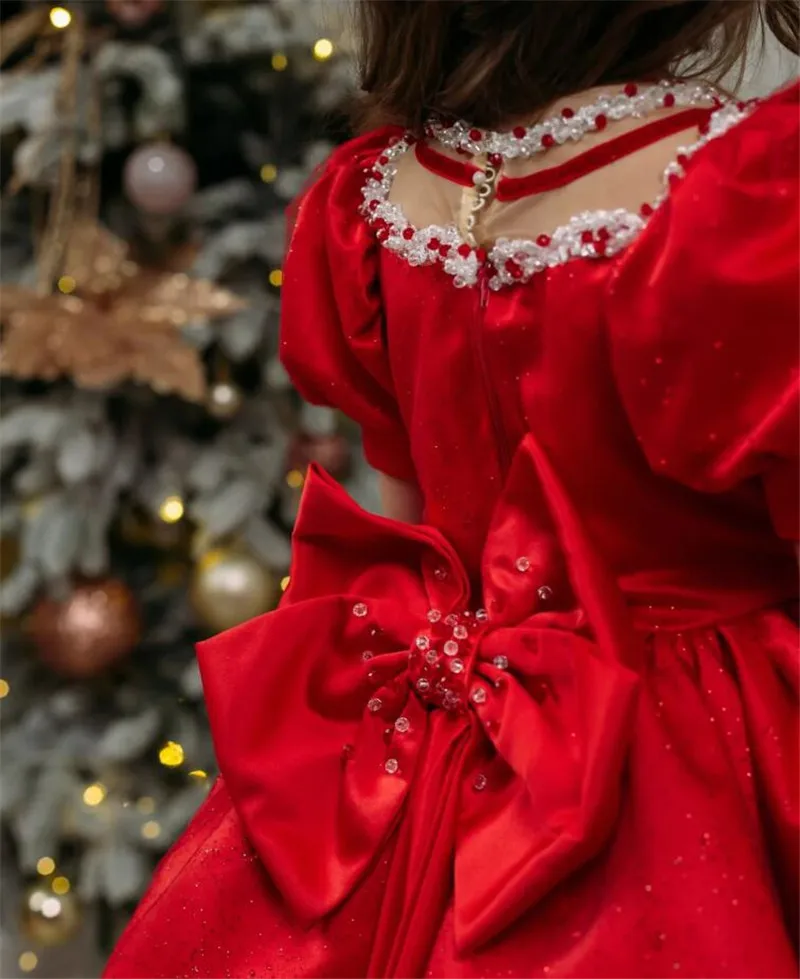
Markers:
{"x": 607, "y": 783}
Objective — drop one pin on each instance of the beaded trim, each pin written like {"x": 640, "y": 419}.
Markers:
{"x": 572, "y": 124}
{"x": 590, "y": 234}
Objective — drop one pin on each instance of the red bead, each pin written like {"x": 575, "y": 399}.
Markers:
{"x": 669, "y": 100}
{"x": 383, "y": 160}
{"x": 548, "y": 141}
{"x": 567, "y": 113}
{"x": 513, "y": 269}
{"x": 631, "y": 89}
{"x": 600, "y": 122}
{"x": 377, "y": 175}
{"x": 372, "y": 205}
{"x": 475, "y": 135}
{"x": 543, "y": 241}
{"x": 600, "y": 247}
{"x": 683, "y": 159}
{"x": 674, "y": 179}
{"x": 603, "y": 234}
{"x": 408, "y": 233}
{"x": 434, "y": 244}
{"x": 444, "y": 250}
{"x": 495, "y": 159}
{"x": 383, "y": 234}
{"x": 464, "y": 250}
{"x": 646, "y": 210}
{"x": 519, "y": 132}
{"x": 463, "y": 152}
{"x": 480, "y": 254}
{"x": 586, "y": 237}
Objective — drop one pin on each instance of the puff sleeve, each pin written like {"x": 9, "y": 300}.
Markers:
{"x": 332, "y": 338}
{"x": 704, "y": 317}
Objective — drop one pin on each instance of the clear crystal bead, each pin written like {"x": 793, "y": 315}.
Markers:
{"x": 422, "y": 642}
{"x": 431, "y": 657}
{"x": 402, "y": 724}
{"x": 451, "y": 620}
{"x": 480, "y": 783}
{"x": 367, "y": 655}
{"x": 440, "y": 574}
{"x": 423, "y": 685}
{"x": 501, "y": 662}
{"x": 481, "y": 615}
{"x": 457, "y": 665}
{"x": 523, "y": 564}
{"x": 391, "y": 765}
{"x": 360, "y": 610}
{"x": 460, "y": 632}
{"x": 544, "y": 593}
{"x": 450, "y": 648}
{"x": 374, "y": 704}
{"x": 434, "y": 615}
{"x": 479, "y": 695}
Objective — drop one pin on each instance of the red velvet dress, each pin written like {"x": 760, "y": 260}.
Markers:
{"x": 552, "y": 730}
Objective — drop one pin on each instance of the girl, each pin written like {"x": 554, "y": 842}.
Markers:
{"x": 539, "y": 719}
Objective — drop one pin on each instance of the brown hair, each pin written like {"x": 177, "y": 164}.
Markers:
{"x": 490, "y": 61}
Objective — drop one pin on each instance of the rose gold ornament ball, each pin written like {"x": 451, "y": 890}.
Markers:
{"x": 96, "y": 626}
{"x": 159, "y": 178}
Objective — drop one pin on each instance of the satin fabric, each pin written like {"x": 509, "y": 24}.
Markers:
{"x": 608, "y": 459}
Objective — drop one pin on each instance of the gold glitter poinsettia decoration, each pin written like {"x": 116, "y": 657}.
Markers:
{"x": 111, "y": 321}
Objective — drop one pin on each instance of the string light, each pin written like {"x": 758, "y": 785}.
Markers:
{"x": 171, "y": 510}
{"x": 171, "y": 755}
{"x": 67, "y": 284}
{"x": 323, "y": 49}
{"x": 146, "y": 805}
{"x": 5, "y": 688}
{"x": 285, "y": 582}
{"x": 28, "y": 961}
{"x": 199, "y": 773}
{"x": 151, "y": 829}
{"x": 60, "y": 18}
{"x": 276, "y": 278}
{"x": 60, "y": 885}
{"x": 279, "y": 61}
{"x": 93, "y": 795}
{"x": 45, "y": 866}
{"x": 269, "y": 173}
{"x": 295, "y": 478}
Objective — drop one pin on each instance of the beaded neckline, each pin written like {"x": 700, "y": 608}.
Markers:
{"x": 590, "y": 234}
{"x": 523, "y": 142}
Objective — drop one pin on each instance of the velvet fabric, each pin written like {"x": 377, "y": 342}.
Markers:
{"x": 608, "y": 460}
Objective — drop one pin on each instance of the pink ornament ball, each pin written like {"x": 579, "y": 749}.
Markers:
{"x": 159, "y": 178}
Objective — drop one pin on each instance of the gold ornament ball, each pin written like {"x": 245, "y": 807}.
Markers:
{"x": 224, "y": 399}
{"x": 93, "y": 628}
{"x": 229, "y": 587}
{"x": 48, "y": 918}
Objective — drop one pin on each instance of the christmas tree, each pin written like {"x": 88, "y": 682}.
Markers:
{"x": 152, "y": 449}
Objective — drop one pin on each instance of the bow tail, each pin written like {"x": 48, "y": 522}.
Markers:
{"x": 420, "y": 882}
{"x": 300, "y": 752}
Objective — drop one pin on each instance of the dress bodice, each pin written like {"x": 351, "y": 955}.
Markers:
{"x": 651, "y": 355}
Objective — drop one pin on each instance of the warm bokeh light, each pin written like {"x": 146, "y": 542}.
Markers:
{"x": 171, "y": 755}
{"x": 171, "y": 510}
{"x": 279, "y": 61}
{"x": 323, "y": 49}
{"x": 67, "y": 284}
{"x": 28, "y": 961}
{"x": 5, "y": 688}
{"x": 295, "y": 478}
{"x": 146, "y": 805}
{"x": 269, "y": 173}
{"x": 60, "y": 18}
{"x": 93, "y": 795}
{"x": 45, "y": 866}
{"x": 199, "y": 773}
{"x": 285, "y": 582}
{"x": 276, "y": 278}
{"x": 151, "y": 829}
{"x": 60, "y": 885}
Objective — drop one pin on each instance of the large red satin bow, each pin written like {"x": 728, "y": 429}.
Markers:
{"x": 322, "y": 709}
